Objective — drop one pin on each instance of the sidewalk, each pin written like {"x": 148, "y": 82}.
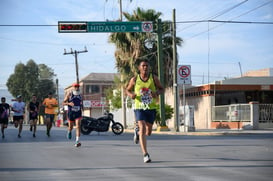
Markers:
{"x": 210, "y": 132}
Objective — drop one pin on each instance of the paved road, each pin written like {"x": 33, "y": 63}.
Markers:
{"x": 105, "y": 157}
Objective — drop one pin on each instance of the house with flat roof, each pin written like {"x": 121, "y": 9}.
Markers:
{"x": 241, "y": 90}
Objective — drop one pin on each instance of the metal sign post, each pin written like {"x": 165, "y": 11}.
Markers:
{"x": 184, "y": 108}
{"x": 184, "y": 77}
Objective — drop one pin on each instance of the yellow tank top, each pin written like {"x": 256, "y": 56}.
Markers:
{"x": 143, "y": 91}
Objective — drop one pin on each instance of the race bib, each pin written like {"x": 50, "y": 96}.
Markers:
{"x": 76, "y": 108}
{"x": 146, "y": 97}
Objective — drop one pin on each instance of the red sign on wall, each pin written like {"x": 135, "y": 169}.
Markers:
{"x": 94, "y": 103}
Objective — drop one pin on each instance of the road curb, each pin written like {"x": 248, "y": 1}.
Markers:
{"x": 210, "y": 133}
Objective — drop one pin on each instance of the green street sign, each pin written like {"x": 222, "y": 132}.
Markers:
{"x": 104, "y": 27}
{"x": 131, "y": 26}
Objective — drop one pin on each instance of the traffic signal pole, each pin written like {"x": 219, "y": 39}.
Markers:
{"x": 123, "y": 103}
{"x": 75, "y": 53}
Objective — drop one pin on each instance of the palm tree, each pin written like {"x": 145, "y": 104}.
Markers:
{"x": 132, "y": 47}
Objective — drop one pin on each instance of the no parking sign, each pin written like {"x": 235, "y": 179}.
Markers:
{"x": 184, "y": 74}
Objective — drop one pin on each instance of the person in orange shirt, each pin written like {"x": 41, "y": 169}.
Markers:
{"x": 50, "y": 104}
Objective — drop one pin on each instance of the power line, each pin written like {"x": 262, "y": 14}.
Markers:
{"x": 241, "y": 22}
{"x": 181, "y": 22}
{"x": 222, "y": 21}
{"x": 27, "y": 25}
{"x": 184, "y": 22}
{"x": 218, "y": 14}
{"x": 264, "y": 4}
{"x": 226, "y": 22}
{"x": 230, "y": 21}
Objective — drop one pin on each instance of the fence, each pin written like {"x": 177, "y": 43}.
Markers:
{"x": 233, "y": 112}
{"x": 265, "y": 115}
{"x": 266, "y": 112}
{"x": 254, "y": 115}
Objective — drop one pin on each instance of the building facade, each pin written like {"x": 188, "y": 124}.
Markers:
{"x": 242, "y": 90}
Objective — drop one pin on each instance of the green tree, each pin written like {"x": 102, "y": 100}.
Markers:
{"x": 114, "y": 95}
{"x": 31, "y": 79}
{"x": 16, "y": 81}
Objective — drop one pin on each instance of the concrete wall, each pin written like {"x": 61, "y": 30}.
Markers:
{"x": 169, "y": 99}
{"x": 130, "y": 117}
{"x": 202, "y": 110}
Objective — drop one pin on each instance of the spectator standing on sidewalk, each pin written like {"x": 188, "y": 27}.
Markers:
{"x": 50, "y": 104}
{"x": 18, "y": 108}
{"x": 144, "y": 88}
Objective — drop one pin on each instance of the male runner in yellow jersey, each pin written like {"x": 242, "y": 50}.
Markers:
{"x": 144, "y": 89}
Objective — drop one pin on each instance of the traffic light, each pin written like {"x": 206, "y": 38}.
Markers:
{"x": 72, "y": 27}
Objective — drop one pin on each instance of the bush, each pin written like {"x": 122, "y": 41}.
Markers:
{"x": 168, "y": 114}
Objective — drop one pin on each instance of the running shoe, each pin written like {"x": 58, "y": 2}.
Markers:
{"x": 136, "y": 136}
{"x": 19, "y": 136}
{"x": 147, "y": 158}
{"x": 69, "y": 135}
{"x": 77, "y": 144}
{"x": 34, "y": 135}
{"x": 47, "y": 133}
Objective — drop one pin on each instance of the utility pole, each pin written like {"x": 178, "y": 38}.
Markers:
{"x": 123, "y": 107}
{"x": 175, "y": 86}
{"x": 58, "y": 97}
{"x": 75, "y": 53}
{"x": 161, "y": 74}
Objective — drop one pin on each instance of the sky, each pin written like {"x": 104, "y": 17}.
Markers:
{"x": 214, "y": 51}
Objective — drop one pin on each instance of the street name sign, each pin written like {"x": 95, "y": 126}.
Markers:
{"x": 104, "y": 27}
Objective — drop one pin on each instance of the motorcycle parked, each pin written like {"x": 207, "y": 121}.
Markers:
{"x": 101, "y": 124}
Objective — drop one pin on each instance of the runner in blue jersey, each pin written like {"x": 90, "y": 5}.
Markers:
{"x": 74, "y": 102}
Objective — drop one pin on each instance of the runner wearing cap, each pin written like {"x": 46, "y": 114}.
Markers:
{"x": 74, "y": 102}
